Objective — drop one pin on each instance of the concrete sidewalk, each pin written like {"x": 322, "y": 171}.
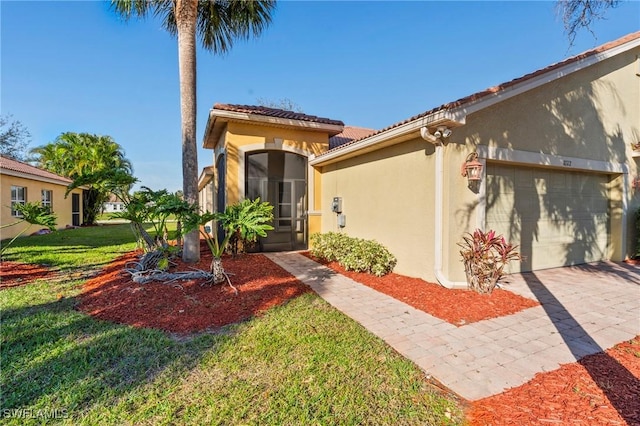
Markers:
{"x": 584, "y": 310}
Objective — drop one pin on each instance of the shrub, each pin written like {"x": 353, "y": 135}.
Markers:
{"x": 353, "y": 254}
{"x": 485, "y": 255}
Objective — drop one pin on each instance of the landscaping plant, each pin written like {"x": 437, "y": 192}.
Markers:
{"x": 246, "y": 220}
{"x": 353, "y": 254}
{"x": 485, "y": 255}
{"x": 32, "y": 214}
{"x": 154, "y": 207}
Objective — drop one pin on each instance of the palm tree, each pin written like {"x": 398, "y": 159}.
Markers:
{"x": 218, "y": 23}
{"x": 92, "y": 161}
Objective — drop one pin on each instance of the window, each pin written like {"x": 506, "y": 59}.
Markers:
{"x": 47, "y": 199}
{"x": 18, "y": 196}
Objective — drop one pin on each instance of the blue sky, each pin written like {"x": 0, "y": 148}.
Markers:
{"x": 76, "y": 66}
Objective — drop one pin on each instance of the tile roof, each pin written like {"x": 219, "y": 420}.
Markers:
{"x": 20, "y": 167}
{"x": 278, "y": 113}
{"x": 350, "y": 133}
{"x": 492, "y": 90}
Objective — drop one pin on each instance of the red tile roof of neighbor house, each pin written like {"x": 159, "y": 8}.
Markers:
{"x": 492, "y": 90}
{"x": 20, "y": 167}
{"x": 350, "y": 133}
{"x": 274, "y": 112}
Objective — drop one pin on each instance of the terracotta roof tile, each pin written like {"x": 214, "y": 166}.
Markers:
{"x": 350, "y": 133}
{"x": 492, "y": 90}
{"x": 274, "y": 112}
{"x": 18, "y": 166}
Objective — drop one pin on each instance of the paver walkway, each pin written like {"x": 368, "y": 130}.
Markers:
{"x": 584, "y": 310}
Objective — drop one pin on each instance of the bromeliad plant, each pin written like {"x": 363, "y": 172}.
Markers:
{"x": 485, "y": 256}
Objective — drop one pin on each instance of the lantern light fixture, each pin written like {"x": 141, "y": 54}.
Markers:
{"x": 472, "y": 168}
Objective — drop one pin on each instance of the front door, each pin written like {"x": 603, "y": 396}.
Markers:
{"x": 290, "y": 212}
{"x": 75, "y": 209}
{"x": 280, "y": 178}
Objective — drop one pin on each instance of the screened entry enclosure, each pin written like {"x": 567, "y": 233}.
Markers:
{"x": 281, "y": 179}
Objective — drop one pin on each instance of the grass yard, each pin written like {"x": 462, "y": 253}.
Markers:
{"x": 300, "y": 363}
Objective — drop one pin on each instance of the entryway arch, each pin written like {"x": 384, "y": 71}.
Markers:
{"x": 280, "y": 177}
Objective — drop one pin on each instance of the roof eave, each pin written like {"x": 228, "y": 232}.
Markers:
{"x": 25, "y": 175}
{"x": 219, "y": 118}
{"x": 205, "y": 177}
{"x": 391, "y": 136}
{"x": 455, "y": 113}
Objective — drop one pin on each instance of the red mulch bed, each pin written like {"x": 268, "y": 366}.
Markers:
{"x": 13, "y": 274}
{"x": 112, "y": 296}
{"x": 457, "y": 307}
{"x": 600, "y": 389}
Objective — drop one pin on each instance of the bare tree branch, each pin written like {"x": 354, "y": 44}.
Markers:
{"x": 580, "y": 14}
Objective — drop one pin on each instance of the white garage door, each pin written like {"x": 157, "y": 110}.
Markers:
{"x": 557, "y": 217}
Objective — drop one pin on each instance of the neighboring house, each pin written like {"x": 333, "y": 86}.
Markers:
{"x": 23, "y": 183}
{"x": 113, "y": 205}
{"x": 557, "y": 176}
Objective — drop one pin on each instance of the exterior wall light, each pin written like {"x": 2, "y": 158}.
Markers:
{"x": 472, "y": 169}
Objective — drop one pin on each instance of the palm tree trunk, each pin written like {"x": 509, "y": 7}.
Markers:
{"x": 186, "y": 13}
{"x": 217, "y": 270}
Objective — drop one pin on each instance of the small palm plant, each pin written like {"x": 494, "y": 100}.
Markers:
{"x": 246, "y": 220}
{"x": 485, "y": 256}
{"x": 32, "y": 214}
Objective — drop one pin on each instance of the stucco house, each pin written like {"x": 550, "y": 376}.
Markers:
{"x": 113, "y": 204}
{"x": 23, "y": 183}
{"x": 548, "y": 159}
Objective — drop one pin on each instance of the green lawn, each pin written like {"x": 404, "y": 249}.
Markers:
{"x": 301, "y": 363}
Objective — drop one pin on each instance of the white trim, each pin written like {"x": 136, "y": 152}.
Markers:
{"x": 548, "y": 160}
{"x": 438, "y": 222}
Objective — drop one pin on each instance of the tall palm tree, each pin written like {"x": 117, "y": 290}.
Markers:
{"x": 218, "y": 23}
{"x": 91, "y": 161}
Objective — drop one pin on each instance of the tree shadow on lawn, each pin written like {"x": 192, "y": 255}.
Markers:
{"x": 54, "y": 357}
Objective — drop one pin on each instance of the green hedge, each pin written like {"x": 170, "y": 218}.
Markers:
{"x": 353, "y": 254}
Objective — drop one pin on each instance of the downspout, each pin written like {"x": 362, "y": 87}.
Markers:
{"x": 439, "y": 204}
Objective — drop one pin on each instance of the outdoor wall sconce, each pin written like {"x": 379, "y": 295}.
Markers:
{"x": 472, "y": 169}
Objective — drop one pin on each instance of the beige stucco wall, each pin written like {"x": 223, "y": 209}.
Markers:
{"x": 590, "y": 118}
{"x": 241, "y": 138}
{"x": 61, "y": 205}
{"x": 387, "y": 195}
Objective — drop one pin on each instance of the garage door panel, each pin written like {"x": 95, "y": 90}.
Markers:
{"x": 557, "y": 217}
